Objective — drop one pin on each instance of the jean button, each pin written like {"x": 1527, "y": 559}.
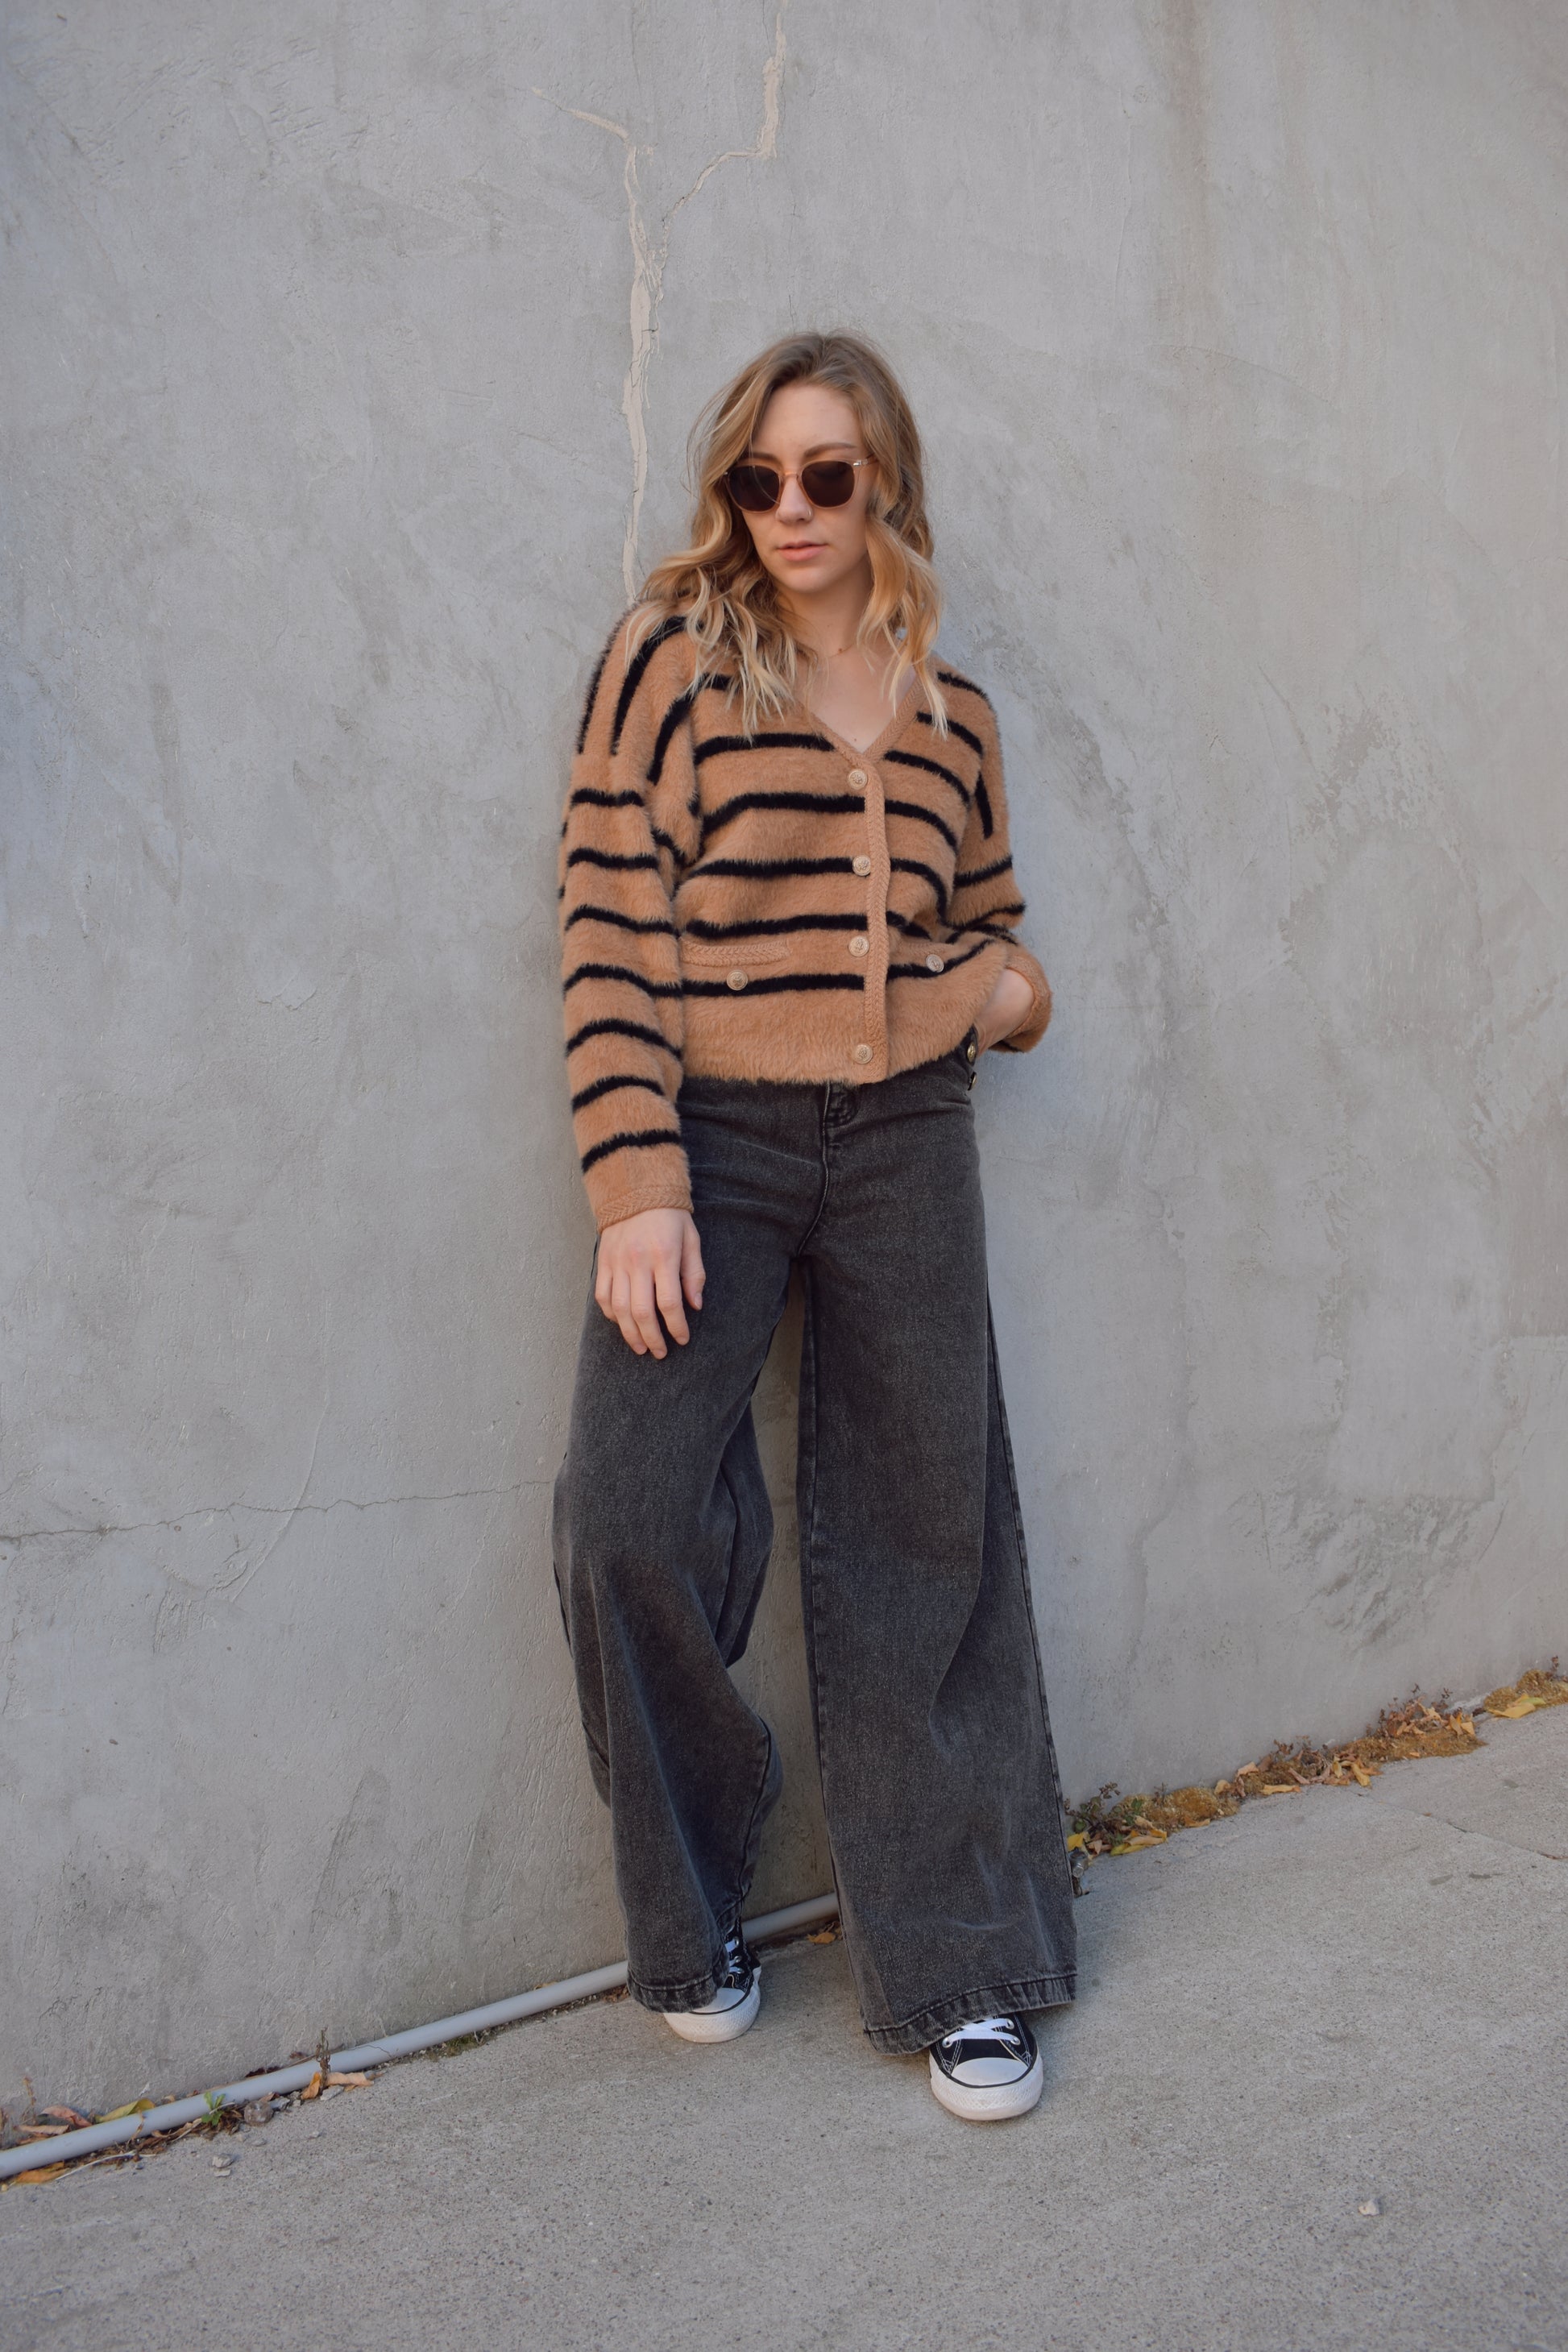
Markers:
{"x": 736, "y": 979}
{"x": 969, "y": 1054}
{"x": 857, "y": 779}
{"x": 860, "y": 944}
{"x": 862, "y": 1053}
{"x": 862, "y": 864}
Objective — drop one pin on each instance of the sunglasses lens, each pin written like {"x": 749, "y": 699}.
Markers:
{"x": 754, "y": 488}
{"x": 829, "y": 483}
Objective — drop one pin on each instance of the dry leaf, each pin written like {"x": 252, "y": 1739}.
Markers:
{"x": 1281, "y": 1788}
{"x": 312, "y": 2089}
{"x": 136, "y": 2107}
{"x": 43, "y": 2173}
{"x": 1511, "y": 1705}
{"x": 41, "y": 2131}
{"x": 71, "y": 2116}
{"x": 823, "y": 1936}
{"x": 1077, "y": 1843}
{"x": 348, "y": 2081}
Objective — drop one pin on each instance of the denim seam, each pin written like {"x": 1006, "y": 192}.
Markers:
{"x": 753, "y": 1828}
{"x": 995, "y": 1371}
{"x": 928, "y": 2026}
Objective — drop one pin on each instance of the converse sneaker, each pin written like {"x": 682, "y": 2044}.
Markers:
{"x": 732, "y": 2007}
{"x": 988, "y": 2070}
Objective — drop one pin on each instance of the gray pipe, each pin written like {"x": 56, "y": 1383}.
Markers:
{"x": 92, "y": 2137}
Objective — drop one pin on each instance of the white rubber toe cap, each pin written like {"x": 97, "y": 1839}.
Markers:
{"x": 988, "y": 2101}
{"x": 713, "y": 2023}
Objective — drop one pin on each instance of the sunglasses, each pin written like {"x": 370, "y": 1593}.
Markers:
{"x": 826, "y": 482}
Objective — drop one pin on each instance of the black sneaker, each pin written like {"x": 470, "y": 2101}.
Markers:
{"x": 987, "y": 2071}
{"x": 732, "y": 2008}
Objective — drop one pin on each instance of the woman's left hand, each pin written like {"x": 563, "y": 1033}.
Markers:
{"x": 1008, "y": 1005}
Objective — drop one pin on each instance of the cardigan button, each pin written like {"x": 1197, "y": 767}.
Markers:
{"x": 860, "y": 944}
{"x": 736, "y": 979}
{"x": 862, "y": 1053}
{"x": 857, "y": 779}
{"x": 934, "y": 963}
{"x": 862, "y": 864}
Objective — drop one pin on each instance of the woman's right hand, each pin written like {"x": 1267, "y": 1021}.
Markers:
{"x": 644, "y": 1266}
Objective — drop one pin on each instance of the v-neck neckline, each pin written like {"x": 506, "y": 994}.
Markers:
{"x": 889, "y": 735}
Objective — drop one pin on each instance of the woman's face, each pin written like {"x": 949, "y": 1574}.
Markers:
{"x": 810, "y": 548}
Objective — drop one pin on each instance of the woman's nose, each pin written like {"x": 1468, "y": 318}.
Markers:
{"x": 794, "y": 504}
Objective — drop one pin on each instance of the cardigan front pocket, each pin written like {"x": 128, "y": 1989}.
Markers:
{"x": 738, "y": 954}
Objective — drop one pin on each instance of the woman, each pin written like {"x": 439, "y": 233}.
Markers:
{"x": 788, "y": 912}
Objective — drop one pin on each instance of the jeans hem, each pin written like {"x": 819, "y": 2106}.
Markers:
{"x": 929, "y": 2025}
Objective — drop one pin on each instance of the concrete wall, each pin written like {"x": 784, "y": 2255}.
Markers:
{"x": 350, "y": 351}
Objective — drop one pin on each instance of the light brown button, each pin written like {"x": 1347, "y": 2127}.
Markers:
{"x": 862, "y": 1053}
{"x": 934, "y": 963}
{"x": 860, "y": 944}
{"x": 862, "y": 864}
{"x": 857, "y": 779}
{"x": 737, "y": 979}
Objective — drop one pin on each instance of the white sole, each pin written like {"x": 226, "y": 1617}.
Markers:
{"x": 990, "y": 2103}
{"x": 715, "y": 2024}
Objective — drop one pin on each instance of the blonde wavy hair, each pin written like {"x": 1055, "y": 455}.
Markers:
{"x": 731, "y": 605}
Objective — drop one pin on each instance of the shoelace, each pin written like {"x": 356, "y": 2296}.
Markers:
{"x": 735, "y": 1962}
{"x": 1003, "y": 2030}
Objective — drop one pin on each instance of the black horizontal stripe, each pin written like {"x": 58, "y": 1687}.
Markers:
{"x": 716, "y": 745}
{"x": 983, "y": 803}
{"x": 593, "y": 694}
{"x": 621, "y": 922}
{"x": 773, "y": 869}
{"x": 630, "y": 1142}
{"x": 601, "y": 1087}
{"x": 922, "y": 972}
{"x": 990, "y": 920}
{"x": 622, "y": 972}
{"x": 589, "y": 796}
{"x": 954, "y": 727}
{"x": 636, "y": 671}
{"x": 667, "y": 727}
{"x": 933, "y": 768}
{"x": 955, "y": 678}
{"x": 666, "y": 842}
{"x": 927, "y": 874}
{"x": 772, "y": 926}
{"x": 781, "y": 984}
{"x": 925, "y": 816}
{"x": 980, "y": 873}
{"x": 642, "y": 861}
{"x": 817, "y": 804}
{"x": 612, "y": 1028}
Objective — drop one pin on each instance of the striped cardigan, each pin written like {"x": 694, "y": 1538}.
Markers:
{"x": 773, "y": 907}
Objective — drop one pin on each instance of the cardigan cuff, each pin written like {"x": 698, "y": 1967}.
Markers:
{"x": 1032, "y": 1027}
{"x": 612, "y": 1202}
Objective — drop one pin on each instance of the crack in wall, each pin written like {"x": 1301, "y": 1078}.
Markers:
{"x": 265, "y": 1510}
{"x": 649, "y": 258}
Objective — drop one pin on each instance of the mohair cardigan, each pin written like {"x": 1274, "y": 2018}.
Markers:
{"x": 778, "y": 906}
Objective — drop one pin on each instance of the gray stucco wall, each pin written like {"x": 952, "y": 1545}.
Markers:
{"x": 350, "y": 351}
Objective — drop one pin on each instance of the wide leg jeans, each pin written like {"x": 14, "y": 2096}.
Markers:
{"x": 939, "y": 1774}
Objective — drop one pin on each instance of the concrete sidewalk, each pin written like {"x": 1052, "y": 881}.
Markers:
{"x": 1331, "y": 1999}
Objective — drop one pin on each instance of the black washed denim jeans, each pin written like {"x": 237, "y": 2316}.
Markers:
{"x": 939, "y": 1777}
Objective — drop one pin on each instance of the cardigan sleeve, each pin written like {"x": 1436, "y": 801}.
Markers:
{"x": 629, "y": 826}
{"x": 985, "y": 894}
